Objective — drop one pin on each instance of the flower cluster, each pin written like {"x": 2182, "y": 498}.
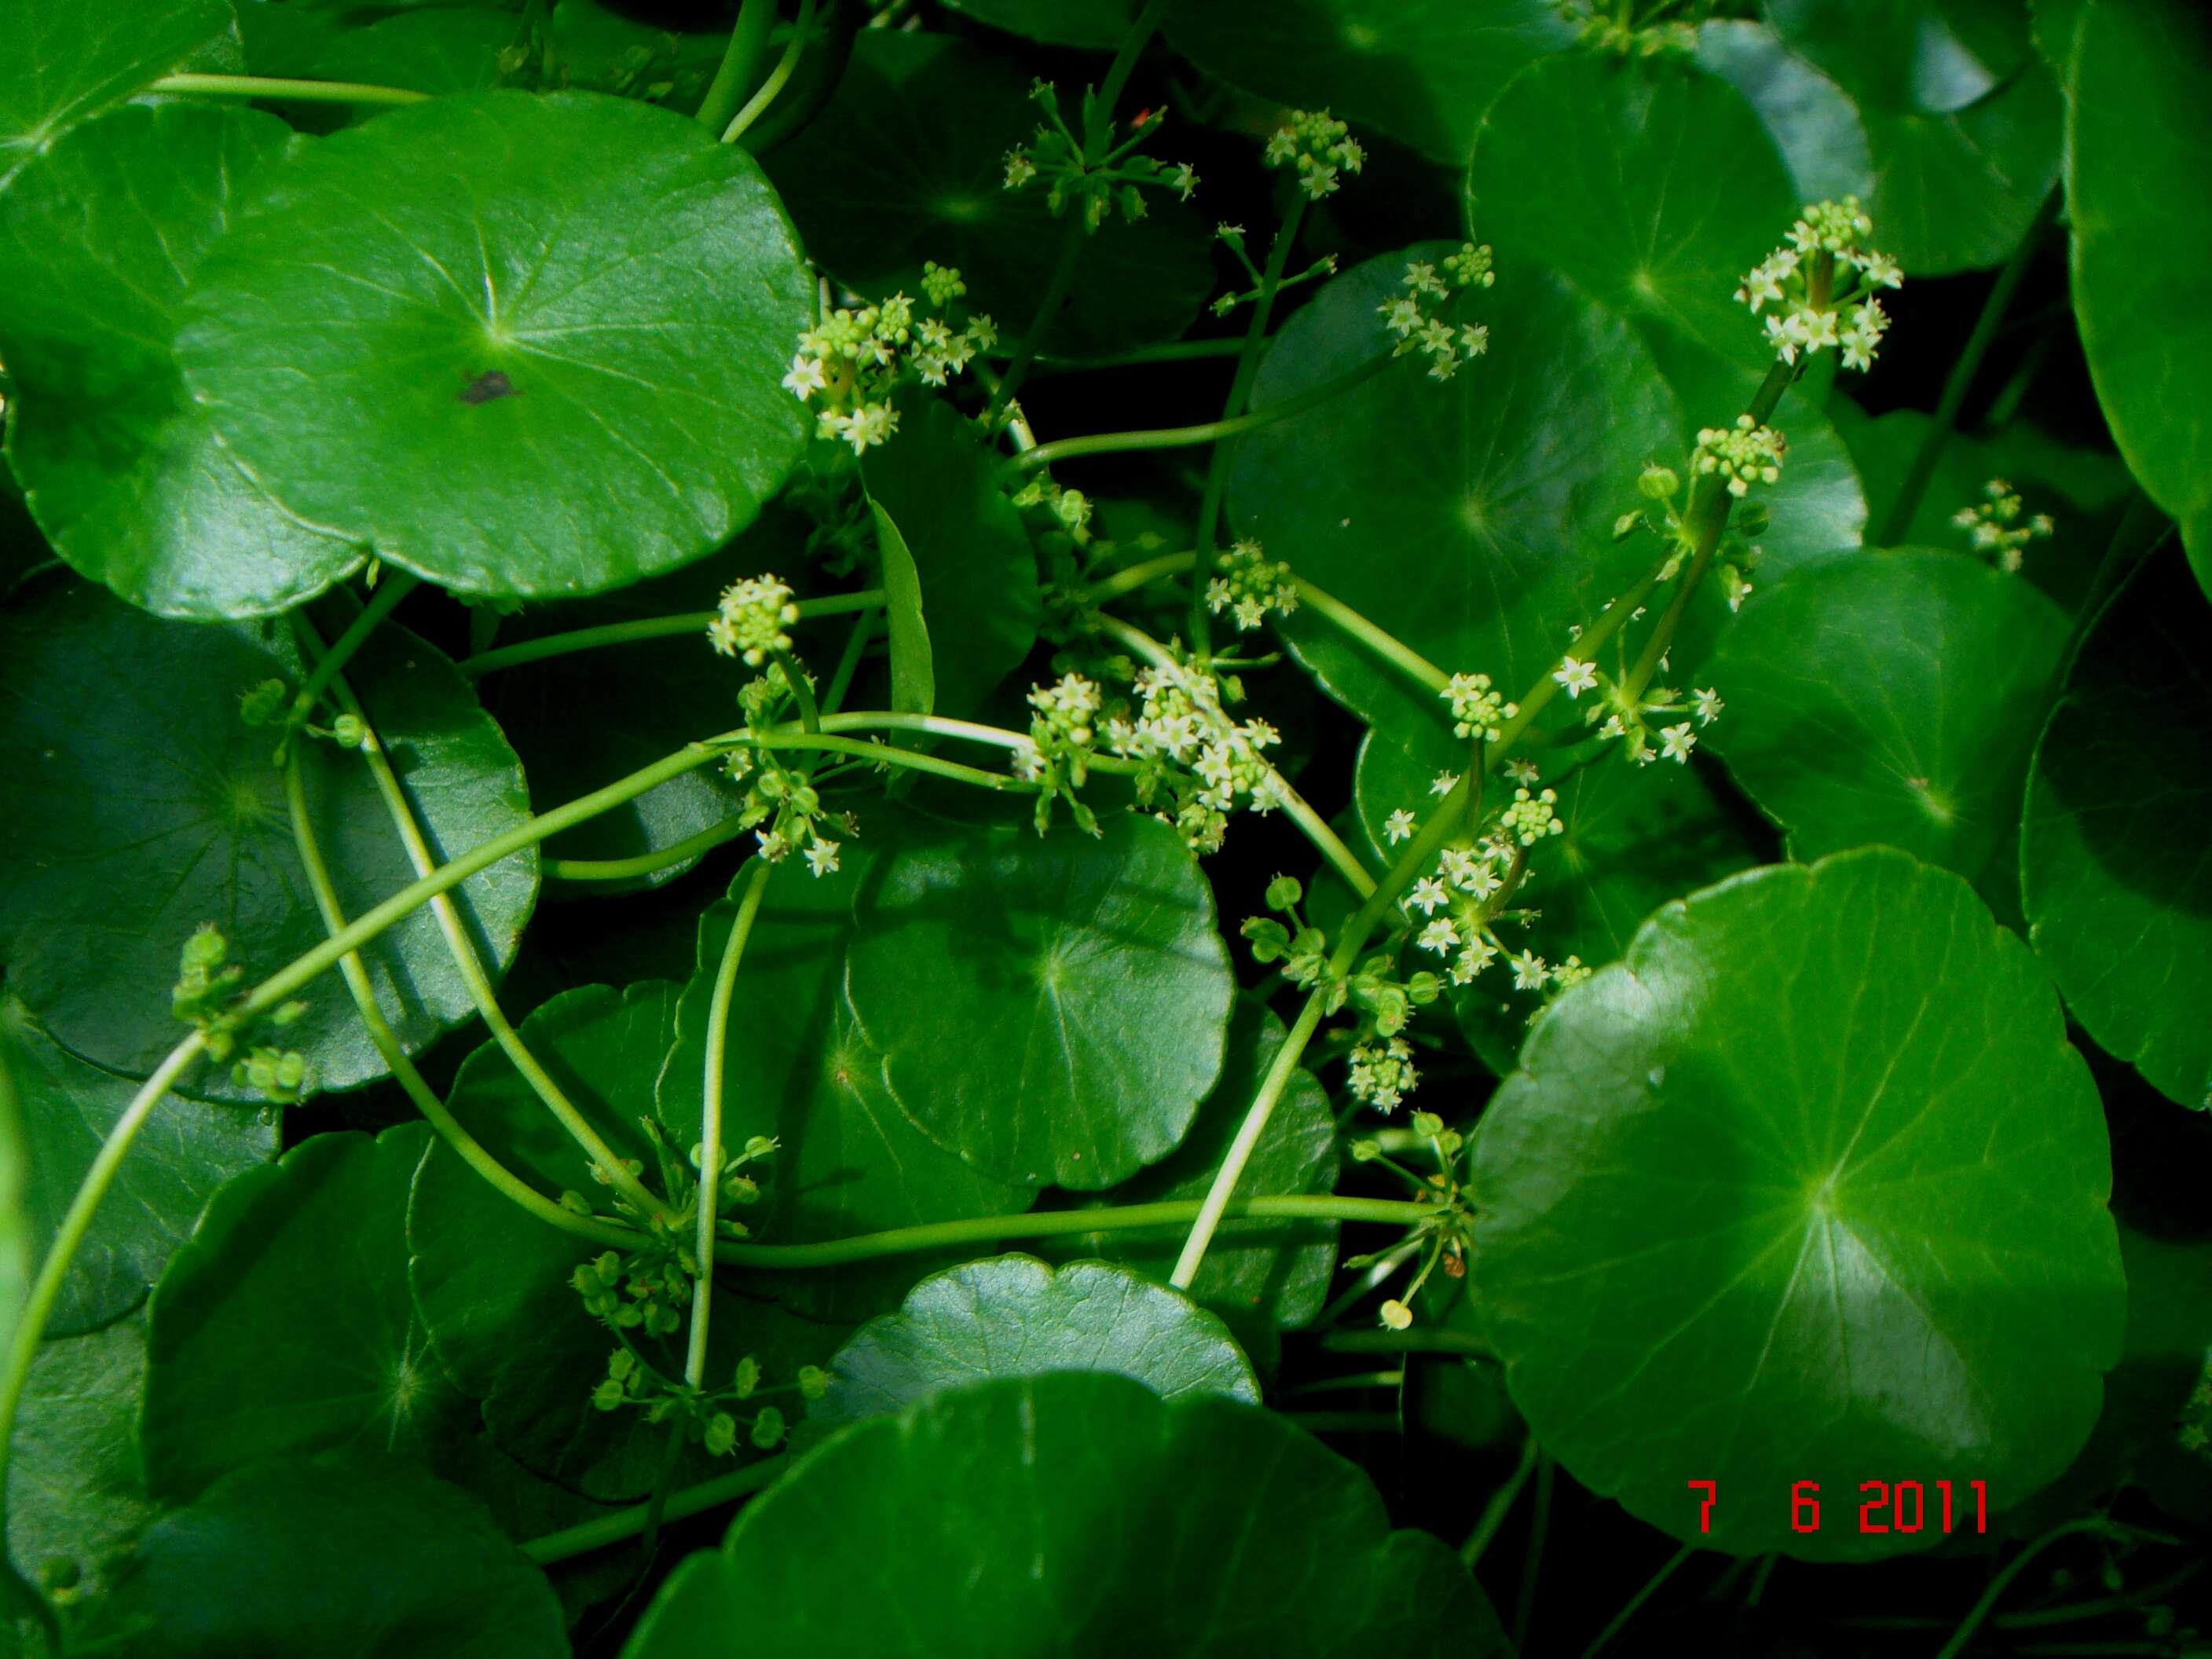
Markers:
{"x": 1741, "y": 455}
{"x": 1318, "y": 147}
{"x": 1604, "y": 28}
{"x": 1409, "y": 315}
{"x": 1251, "y": 585}
{"x": 1063, "y": 738}
{"x": 1746, "y": 457}
{"x": 1636, "y": 724}
{"x": 1066, "y": 510}
{"x": 1381, "y": 1072}
{"x": 750, "y": 620}
{"x": 849, "y": 364}
{"x": 208, "y": 985}
{"x": 1479, "y": 710}
{"x": 1232, "y": 238}
{"x": 1822, "y": 286}
{"x": 1994, "y": 525}
{"x": 1195, "y": 764}
{"x": 1117, "y": 178}
{"x": 633, "y": 1380}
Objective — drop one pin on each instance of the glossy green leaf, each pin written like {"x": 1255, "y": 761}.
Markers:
{"x": 914, "y": 675}
{"x": 1473, "y": 519}
{"x": 1098, "y": 24}
{"x": 1425, "y": 71}
{"x": 1810, "y": 1188}
{"x": 67, "y": 61}
{"x": 146, "y": 806}
{"x": 907, "y": 164}
{"x": 2113, "y": 875}
{"x": 2137, "y": 145}
{"x": 800, "y": 1070}
{"x": 1260, "y": 1276}
{"x": 67, "y": 1108}
{"x": 1072, "y": 1513}
{"x": 1636, "y": 837}
{"x": 546, "y": 362}
{"x": 1049, "y": 1008}
{"x": 971, "y": 554}
{"x": 345, "y": 1557}
{"x": 1014, "y": 1315}
{"x": 1813, "y": 124}
{"x": 442, "y": 52}
{"x": 1963, "y": 125}
{"x": 590, "y": 45}
{"x": 123, "y": 471}
{"x": 284, "y": 1324}
{"x": 1891, "y": 697}
{"x": 76, "y": 1495}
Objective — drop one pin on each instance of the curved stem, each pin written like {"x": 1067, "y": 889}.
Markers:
{"x": 643, "y": 864}
{"x": 1628, "y": 1612}
{"x": 710, "y": 1121}
{"x": 2002, "y": 1581}
{"x": 304, "y": 92}
{"x": 623, "y": 1524}
{"x": 1182, "y": 437}
{"x": 1061, "y": 1223}
{"x": 469, "y": 1149}
{"x": 645, "y": 627}
{"x": 1381, "y": 641}
{"x": 809, "y": 714}
{"x": 772, "y": 88}
{"x": 740, "y": 59}
{"x": 1098, "y": 143}
{"x": 1175, "y": 351}
{"x": 1137, "y": 576}
{"x": 395, "y": 586}
{"x": 849, "y": 663}
{"x": 1499, "y": 1506}
{"x": 1436, "y": 1338}
{"x": 1056, "y": 290}
{"x": 1540, "y": 1524}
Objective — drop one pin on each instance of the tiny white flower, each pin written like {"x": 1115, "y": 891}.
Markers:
{"x": 1428, "y": 894}
{"x": 821, "y": 857}
{"x": 805, "y": 377}
{"x": 1529, "y": 971}
{"x": 1439, "y": 935}
{"x": 1675, "y": 742}
{"x": 1707, "y": 704}
{"x": 1399, "y": 826}
{"x": 1443, "y": 783}
{"x": 1577, "y": 676}
{"x": 1522, "y": 771}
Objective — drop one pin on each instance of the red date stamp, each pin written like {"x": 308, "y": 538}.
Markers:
{"x": 1904, "y": 1506}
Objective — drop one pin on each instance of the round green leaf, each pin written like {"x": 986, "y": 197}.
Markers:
{"x": 1072, "y": 1513}
{"x": 344, "y": 1558}
{"x": 76, "y": 1495}
{"x": 1810, "y": 1188}
{"x": 800, "y": 1070}
{"x": 189, "y": 1150}
{"x": 145, "y": 806}
{"x": 285, "y": 1325}
{"x": 1636, "y": 837}
{"x": 2138, "y": 144}
{"x": 907, "y": 164}
{"x": 1015, "y": 1316}
{"x": 2113, "y": 875}
{"x": 1050, "y": 1008}
{"x": 1099, "y": 24}
{"x": 1934, "y": 56}
{"x": 122, "y": 469}
{"x": 1891, "y": 697}
{"x": 1422, "y": 70}
{"x": 1260, "y": 1276}
{"x": 589, "y": 46}
{"x": 522, "y": 345}
{"x": 1473, "y": 519}
{"x": 1813, "y": 124}
{"x": 67, "y": 61}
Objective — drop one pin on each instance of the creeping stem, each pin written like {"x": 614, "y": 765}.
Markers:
{"x": 772, "y": 88}
{"x": 740, "y": 59}
{"x": 302, "y": 92}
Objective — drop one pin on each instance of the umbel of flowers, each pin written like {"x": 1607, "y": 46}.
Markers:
{"x": 850, "y": 364}
{"x": 1821, "y": 284}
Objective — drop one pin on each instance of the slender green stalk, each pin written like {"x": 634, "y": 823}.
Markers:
{"x": 1061, "y": 1223}
{"x": 2074, "y": 1612}
{"x": 2002, "y": 1581}
{"x": 471, "y": 1151}
{"x": 1240, "y": 392}
{"x": 1540, "y": 1524}
{"x": 905, "y": 759}
{"x": 849, "y": 663}
{"x": 1184, "y": 437}
{"x": 645, "y": 627}
{"x": 1635, "y": 1602}
{"x": 395, "y": 586}
{"x": 1383, "y": 644}
{"x": 1351, "y": 1381}
{"x": 597, "y": 1535}
{"x": 741, "y": 62}
{"x": 77, "y": 1221}
{"x": 772, "y": 88}
{"x": 1960, "y": 380}
{"x": 1100, "y": 139}
{"x": 1424, "y": 1339}
{"x": 710, "y": 1122}
{"x": 1055, "y": 292}
{"x": 303, "y": 92}
{"x": 1344, "y": 1422}
{"x": 810, "y": 713}
{"x": 1175, "y": 351}
{"x": 643, "y": 864}
{"x": 1137, "y": 576}
{"x": 1379, "y": 1272}
{"x": 1499, "y": 1506}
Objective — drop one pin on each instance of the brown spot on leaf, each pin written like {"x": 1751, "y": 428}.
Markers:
{"x": 486, "y": 386}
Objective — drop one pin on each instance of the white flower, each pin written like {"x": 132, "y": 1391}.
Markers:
{"x": 1706, "y": 705}
{"x": 821, "y": 857}
{"x": 1676, "y": 743}
{"x": 1399, "y": 826}
{"x": 1577, "y": 676}
{"x": 1479, "y": 955}
{"x": 1439, "y": 935}
{"x": 1529, "y": 971}
{"x": 805, "y": 377}
{"x": 1428, "y": 893}
{"x": 1443, "y": 783}
{"x": 1522, "y": 771}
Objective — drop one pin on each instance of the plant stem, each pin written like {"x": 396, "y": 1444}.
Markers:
{"x": 77, "y": 1221}
{"x": 471, "y": 1151}
{"x": 1175, "y": 351}
{"x": 462, "y": 951}
{"x": 1355, "y": 1380}
{"x": 2002, "y": 1581}
{"x": 643, "y": 864}
{"x": 772, "y": 88}
{"x": 1063, "y": 278}
{"x": 1431, "y": 1339}
{"x": 740, "y": 60}
{"x": 1240, "y": 392}
{"x": 1061, "y": 1223}
{"x": 645, "y": 627}
{"x": 1137, "y": 576}
{"x": 1499, "y": 1506}
{"x": 305, "y": 92}
{"x": 2042, "y": 1618}
{"x": 810, "y": 713}
{"x": 395, "y": 586}
{"x": 710, "y": 1122}
{"x": 1539, "y": 1522}
{"x": 1096, "y": 143}
{"x": 1385, "y": 645}
{"x": 1960, "y": 380}
{"x": 1343, "y": 1422}
{"x": 595, "y": 1534}
{"x": 849, "y": 663}
{"x": 1628, "y": 1612}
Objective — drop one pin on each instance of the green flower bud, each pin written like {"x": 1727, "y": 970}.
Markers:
{"x": 767, "y": 1428}
{"x": 1283, "y": 892}
{"x": 1424, "y": 987}
{"x": 205, "y": 950}
{"x": 721, "y": 1434}
{"x": 813, "y": 1382}
{"x": 262, "y": 704}
{"x": 1626, "y": 525}
{"x": 1751, "y": 519}
{"x": 759, "y": 1146}
{"x": 1658, "y": 482}
{"x": 620, "y": 1364}
{"x": 1365, "y": 1152}
{"x": 575, "y": 1204}
{"x": 347, "y": 731}
{"x": 289, "y": 1013}
{"x": 1427, "y": 1123}
{"x": 747, "y": 1377}
{"x": 1270, "y": 938}
{"x": 608, "y": 1395}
